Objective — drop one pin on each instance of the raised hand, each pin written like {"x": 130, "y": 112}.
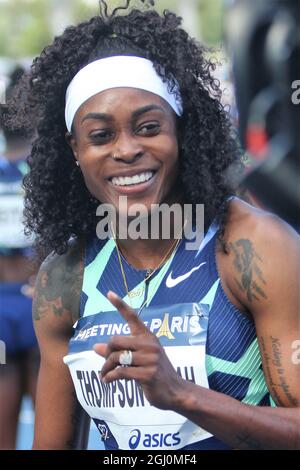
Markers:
{"x": 150, "y": 366}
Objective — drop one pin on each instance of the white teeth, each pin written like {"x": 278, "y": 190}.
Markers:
{"x": 129, "y": 180}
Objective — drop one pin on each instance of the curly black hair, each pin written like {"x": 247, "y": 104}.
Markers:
{"x": 58, "y": 205}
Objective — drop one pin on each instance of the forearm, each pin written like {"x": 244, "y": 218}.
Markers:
{"x": 63, "y": 427}
{"x": 240, "y": 426}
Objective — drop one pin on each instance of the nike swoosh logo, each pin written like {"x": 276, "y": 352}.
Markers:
{"x": 170, "y": 282}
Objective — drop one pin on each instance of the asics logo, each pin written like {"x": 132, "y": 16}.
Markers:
{"x": 170, "y": 282}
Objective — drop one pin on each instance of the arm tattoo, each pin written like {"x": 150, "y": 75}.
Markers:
{"x": 59, "y": 286}
{"x": 280, "y": 387}
{"x": 246, "y": 262}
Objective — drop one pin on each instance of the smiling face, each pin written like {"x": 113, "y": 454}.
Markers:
{"x": 126, "y": 143}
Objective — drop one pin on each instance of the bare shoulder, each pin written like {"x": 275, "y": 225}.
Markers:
{"x": 58, "y": 286}
{"x": 260, "y": 225}
{"x": 263, "y": 255}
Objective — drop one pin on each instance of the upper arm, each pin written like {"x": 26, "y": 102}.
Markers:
{"x": 265, "y": 278}
{"x": 277, "y": 317}
{"x": 56, "y": 303}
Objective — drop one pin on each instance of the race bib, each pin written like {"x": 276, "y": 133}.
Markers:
{"x": 123, "y": 415}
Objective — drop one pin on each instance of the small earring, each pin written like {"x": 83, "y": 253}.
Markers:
{"x": 77, "y": 163}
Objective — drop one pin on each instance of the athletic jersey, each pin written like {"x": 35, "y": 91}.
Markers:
{"x": 12, "y": 237}
{"x": 207, "y": 339}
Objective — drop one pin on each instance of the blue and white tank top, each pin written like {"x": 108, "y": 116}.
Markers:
{"x": 207, "y": 339}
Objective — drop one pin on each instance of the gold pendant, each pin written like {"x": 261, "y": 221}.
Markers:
{"x": 135, "y": 293}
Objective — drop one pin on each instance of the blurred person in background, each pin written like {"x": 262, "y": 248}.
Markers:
{"x": 18, "y": 376}
{"x": 87, "y": 89}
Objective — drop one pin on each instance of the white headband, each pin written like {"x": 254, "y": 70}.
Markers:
{"x": 116, "y": 72}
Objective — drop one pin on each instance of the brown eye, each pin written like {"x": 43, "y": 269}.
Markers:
{"x": 151, "y": 128}
{"x": 101, "y": 136}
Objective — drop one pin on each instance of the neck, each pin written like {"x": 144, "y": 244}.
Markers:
{"x": 150, "y": 253}
{"x": 145, "y": 254}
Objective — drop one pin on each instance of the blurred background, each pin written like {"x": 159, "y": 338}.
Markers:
{"x": 26, "y": 27}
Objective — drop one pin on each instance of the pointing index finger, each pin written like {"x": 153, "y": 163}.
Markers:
{"x": 136, "y": 326}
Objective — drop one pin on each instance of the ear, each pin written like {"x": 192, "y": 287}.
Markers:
{"x": 71, "y": 141}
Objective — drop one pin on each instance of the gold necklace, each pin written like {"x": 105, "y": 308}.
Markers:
{"x": 149, "y": 272}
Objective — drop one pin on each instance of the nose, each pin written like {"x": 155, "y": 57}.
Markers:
{"x": 127, "y": 148}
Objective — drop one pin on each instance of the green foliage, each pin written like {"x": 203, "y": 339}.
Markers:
{"x": 26, "y": 27}
{"x": 211, "y": 16}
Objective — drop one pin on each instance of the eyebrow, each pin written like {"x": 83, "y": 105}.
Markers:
{"x": 135, "y": 114}
{"x": 146, "y": 109}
